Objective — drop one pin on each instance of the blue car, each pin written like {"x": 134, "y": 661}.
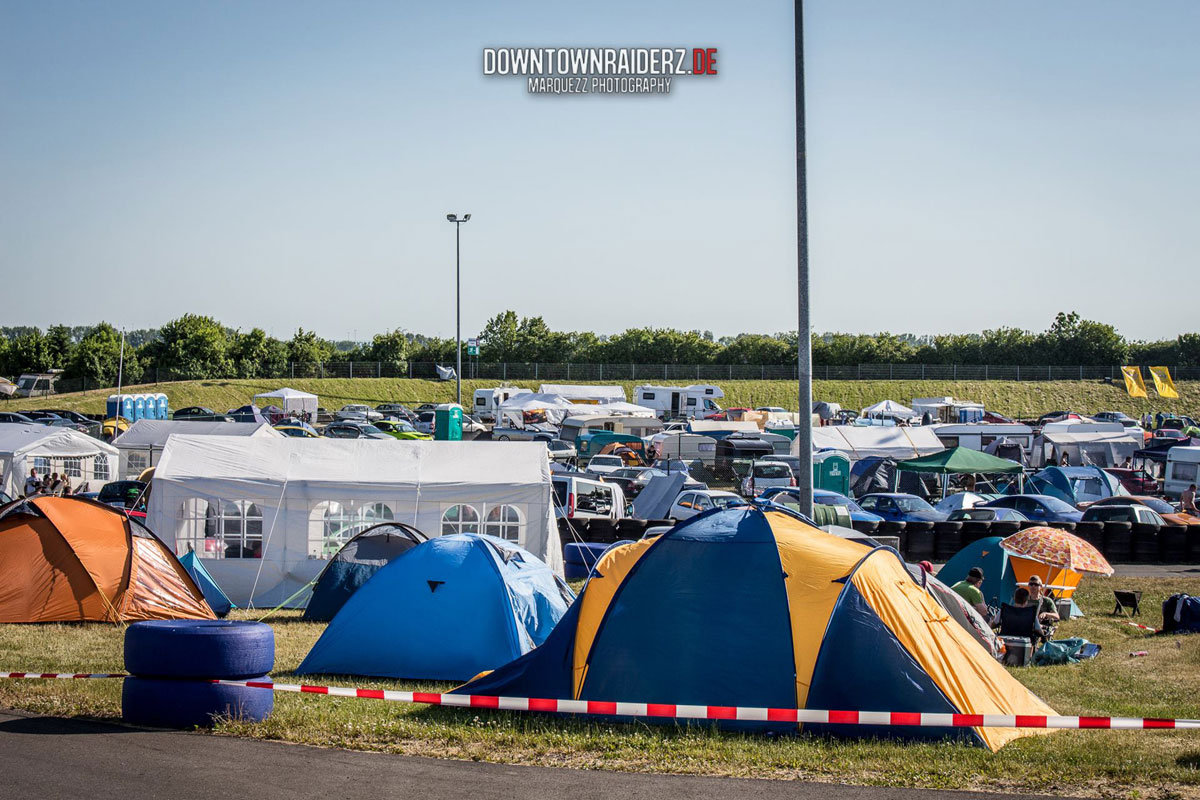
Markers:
{"x": 898, "y": 507}
{"x": 822, "y": 497}
{"x": 1037, "y": 507}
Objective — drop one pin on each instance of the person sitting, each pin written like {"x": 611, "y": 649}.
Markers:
{"x": 1038, "y": 596}
{"x": 1020, "y": 618}
{"x": 968, "y": 589}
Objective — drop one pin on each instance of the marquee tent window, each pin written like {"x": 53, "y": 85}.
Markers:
{"x": 220, "y": 529}
{"x": 504, "y": 522}
{"x": 332, "y": 524}
{"x": 460, "y": 519}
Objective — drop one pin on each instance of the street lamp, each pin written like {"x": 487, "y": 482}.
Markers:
{"x": 458, "y": 301}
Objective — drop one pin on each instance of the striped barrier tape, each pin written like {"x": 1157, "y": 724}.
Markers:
{"x": 1140, "y": 625}
{"x": 695, "y": 712}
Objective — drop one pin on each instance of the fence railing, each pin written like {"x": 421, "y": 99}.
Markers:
{"x": 657, "y": 373}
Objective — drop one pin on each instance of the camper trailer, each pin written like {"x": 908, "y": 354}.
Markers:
{"x": 673, "y": 402}
{"x": 978, "y": 436}
{"x": 1183, "y": 464}
{"x": 642, "y": 427}
{"x": 488, "y": 400}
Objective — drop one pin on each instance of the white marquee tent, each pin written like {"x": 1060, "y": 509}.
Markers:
{"x": 858, "y": 442}
{"x": 292, "y": 402}
{"x": 888, "y": 409}
{"x": 577, "y": 392}
{"x": 82, "y": 458}
{"x": 267, "y": 513}
{"x": 141, "y": 446}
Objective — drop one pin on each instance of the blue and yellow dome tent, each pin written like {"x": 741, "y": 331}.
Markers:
{"x": 755, "y": 607}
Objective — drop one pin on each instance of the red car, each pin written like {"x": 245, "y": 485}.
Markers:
{"x": 1136, "y": 481}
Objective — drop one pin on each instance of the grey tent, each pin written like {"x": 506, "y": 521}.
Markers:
{"x": 360, "y": 558}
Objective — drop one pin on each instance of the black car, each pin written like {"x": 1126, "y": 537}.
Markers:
{"x": 41, "y": 416}
{"x": 195, "y": 413}
{"x": 123, "y": 494}
{"x": 12, "y": 416}
{"x": 349, "y": 429}
{"x": 74, "y": 416}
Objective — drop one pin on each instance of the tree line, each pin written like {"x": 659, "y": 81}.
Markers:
{"x": 199, "y": 347}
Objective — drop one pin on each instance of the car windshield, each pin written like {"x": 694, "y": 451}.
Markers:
{"x": 772, "y": 471}
{"x": 607, "y": 460}
{"x": 645, "y": 475}
{"x": 1158, "y": 505}
{"x": 724, "y": 501}
{"x": 367, "y": 429}
{"x": 912, "y": 504}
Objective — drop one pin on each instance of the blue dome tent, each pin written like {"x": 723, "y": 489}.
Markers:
{"x": 755, "y": 607}
{"x": 355, "y": 563}
{"x": 213, "y": 594}
{"x": 999, "y": 582}
{"x": 447, "y": 609}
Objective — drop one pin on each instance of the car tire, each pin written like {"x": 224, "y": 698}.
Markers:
{"x": 502, "y": 438}
{"x": 199, "y": 649}
{"x": 165, "y": 703}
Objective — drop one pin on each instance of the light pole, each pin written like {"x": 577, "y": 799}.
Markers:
{"x": 804, "y": 322}
{"x": 458, "y": 302}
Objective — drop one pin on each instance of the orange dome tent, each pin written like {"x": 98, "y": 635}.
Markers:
{"x": 65, "y": 559}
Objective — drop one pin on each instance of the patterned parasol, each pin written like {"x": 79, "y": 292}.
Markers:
{"x": 1057, "y": 548}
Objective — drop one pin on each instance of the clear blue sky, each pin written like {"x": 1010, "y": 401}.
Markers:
{"x": 283, "y": 164}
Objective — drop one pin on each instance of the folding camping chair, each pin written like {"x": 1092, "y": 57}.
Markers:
{"x": 1020, "y": 623}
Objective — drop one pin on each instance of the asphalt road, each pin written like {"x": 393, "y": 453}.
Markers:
{"x": 43, "y": 758}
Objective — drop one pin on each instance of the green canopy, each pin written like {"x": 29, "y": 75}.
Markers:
{"x": 960, "y": 461}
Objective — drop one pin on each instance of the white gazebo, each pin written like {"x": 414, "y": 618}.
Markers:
{"x": 142, "y": 445}
{"x": 82, "y": 458}
{"x": 293, "y": 403}
{"x": 265, "y": 514}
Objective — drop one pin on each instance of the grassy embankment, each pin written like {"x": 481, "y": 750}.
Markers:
{"x": 1014, "y": 398}
{"x": 1164, "y": 683}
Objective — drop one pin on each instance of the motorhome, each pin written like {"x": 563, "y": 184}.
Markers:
{"x": 1183, "y": 464}
{"x": 488, "y": 400}
{"x": 642, "y": 427}
{"x": 674, "y": 402}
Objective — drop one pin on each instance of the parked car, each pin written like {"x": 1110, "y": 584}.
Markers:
{"x": 791, "y": 497}
{"x": 767, "y": 475}
{"x": 986, "y": 515}
{"x": 123, "y": 494}
{"x": 425, "y": 421}
{"x": 1116, "y": 416}
{"x": 626, "y": 478}
{"x": 560, "y": 450}
{"x": 793, "y": 462}
{"x": 537, "y": 432}
{"x": 696, "y": 501}
{"x": 59, "y": 422}
{"x": 898, "y": 507}
{"x": 13, "y": 416}
{"x": 1161, "y": 507}
{"x": 1123, "y": 512}
{"x": 40, "y": 416}
{"x": 297, "y": 430}
{"x": 1135, "y": 481}
{"x": 603, "y": 465}
{"x": 394, "y": 410}
{"x": 398, "y": 429}
{"x": 1037, "y": 507}
{"x": 672, "y": 465}
{"x": 354, "y": 429}
{"x": 1170, "y": 433}
{"x": 74, "y": 416}
{"x": 195, "y": 413}
{"x": 358, "y": 411}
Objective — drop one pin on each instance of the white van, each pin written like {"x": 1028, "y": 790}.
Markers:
{"x": 1183, "y": 469}
{"x": 673, "y": 402}
{"x": 583, "y": 498}
{"x": 488, "y": 400}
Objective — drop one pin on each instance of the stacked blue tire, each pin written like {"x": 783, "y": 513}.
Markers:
{"x": 171, "y": 664}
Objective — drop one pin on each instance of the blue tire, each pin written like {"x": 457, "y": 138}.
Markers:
{"x": 199, "y": 649}
{"x": 191, "y": 704}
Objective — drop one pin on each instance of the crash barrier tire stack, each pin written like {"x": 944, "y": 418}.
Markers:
{"x": 948, "y": 539}
{"x": 173, "y": 665}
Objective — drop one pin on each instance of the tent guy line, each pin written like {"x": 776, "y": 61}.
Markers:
{"x": 679, "y": 711}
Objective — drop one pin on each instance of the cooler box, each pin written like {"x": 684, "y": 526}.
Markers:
{"x": 578, "y": 558}
{"x": 1018, "y": 651}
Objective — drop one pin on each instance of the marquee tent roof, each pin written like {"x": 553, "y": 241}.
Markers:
{"x": 960, "y": 461}
{"x": 148, "y": 433}
{"x": 863, "y": 442}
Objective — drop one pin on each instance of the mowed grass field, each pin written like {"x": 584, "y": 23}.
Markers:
{"x": 1013, "y": 398}
{"x": 1096, "y": 763}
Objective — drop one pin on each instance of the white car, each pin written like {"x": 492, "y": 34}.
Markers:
{"x": 767, "y": 475}
{"x": 603, "y": 465}
{"x": 689, "y": 504}
{"x": 361, "y": 412}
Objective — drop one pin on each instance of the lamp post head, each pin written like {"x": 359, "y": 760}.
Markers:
{"x": 455, "y": 219}
{"x": 451, "y": 218}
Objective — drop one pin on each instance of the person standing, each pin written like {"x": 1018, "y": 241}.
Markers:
{"x": 1187, "y": 500}
{"x": 33, "y": 484}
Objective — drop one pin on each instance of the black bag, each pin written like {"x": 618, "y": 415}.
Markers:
{"x": 1181, "y": 614}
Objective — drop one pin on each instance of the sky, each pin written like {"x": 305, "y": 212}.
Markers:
{"x": 290, "y": 163}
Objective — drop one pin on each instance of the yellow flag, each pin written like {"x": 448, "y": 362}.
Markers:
{"x": 1163, "y": 383}
{"x": 1133, "y": 381}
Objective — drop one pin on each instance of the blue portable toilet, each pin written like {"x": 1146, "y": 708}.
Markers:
{"x": 139, "y": 407}
{"x": 112, "y": 406}
{"x": 216, "y": 598}
{"x": 445, "y": 610}
{"x": 160, "y": 407}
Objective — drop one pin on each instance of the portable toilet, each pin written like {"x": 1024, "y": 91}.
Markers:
{"x": 968, "y": 415}
{"x": 447, "y": 422}
{"x": 126, "y": 405}
{"x": 139, "y": 407}
{"x": 112, "y": 407}
{"x": 831, "y": 472}
{"x": 160, "y": 407}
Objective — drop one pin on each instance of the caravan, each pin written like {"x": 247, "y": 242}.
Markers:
{"x": 488, "y": 400}
{"x": 1183, "y": 464}
{"x": 670, "y": 402}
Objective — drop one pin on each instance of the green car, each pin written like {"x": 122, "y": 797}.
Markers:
{"x": 399, "y": 429}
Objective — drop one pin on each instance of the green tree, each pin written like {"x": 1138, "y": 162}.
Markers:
{"x": 96, "y": 357}
{"x": 500, "y": 339}
{"x": 308, "y": 348}
{"x": 192, "y": 347}
{"x": 755, "y": 348}
{"x": 391, "y": 349}
{"x": 29, "y": 352}
{"x": 256, "y": 355}
{"x": 59, "y": 344}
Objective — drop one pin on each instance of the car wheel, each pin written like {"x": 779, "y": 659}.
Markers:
{"x": 502, "y": 438}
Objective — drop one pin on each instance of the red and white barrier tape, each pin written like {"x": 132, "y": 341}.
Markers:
{"x": 676, "y": 711}
{"x": 1143, "y": 627}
